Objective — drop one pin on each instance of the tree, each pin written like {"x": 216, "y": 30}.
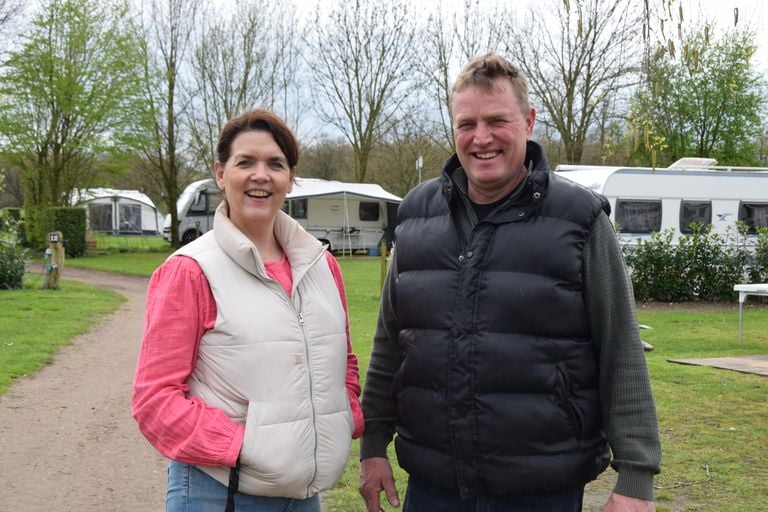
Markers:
{"x": 169, "y": 26}
{"x": 449, "y": 40}
{"x": 238, "y": 65}
{"x": 65, "y": 91}
{"x": 361, "y": 54}
{"x": 575, "y": 67}
{"x": 407, "y": 159}
{"x": 8, "y": 11}
{"x": 708, "y": 100}
{"x": 327, "y": 159}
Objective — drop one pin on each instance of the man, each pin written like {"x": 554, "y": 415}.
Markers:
{"x": 507, "y": 356}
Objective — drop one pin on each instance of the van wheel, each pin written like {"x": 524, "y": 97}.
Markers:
{"x": 188, "y": 236}
{"x": 326, "y": 242}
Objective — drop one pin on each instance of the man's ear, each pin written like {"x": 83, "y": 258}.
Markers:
{"x": 529, "y": 122}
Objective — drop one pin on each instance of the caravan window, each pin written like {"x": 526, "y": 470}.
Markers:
{"x": 298, "y": 208}
{"x": 205, "y": 203}
{"x": 130, "y": 218}
{"x": 694, "y": 211}
{"x": 369, "y": 211}
{"x": 638, "y": 216}
{"x": 100, "y": 217}
{"x": 214, "y": 199}
{"x": 755, "y": 215}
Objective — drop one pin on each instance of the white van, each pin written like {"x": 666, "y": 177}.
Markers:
{"x": 644, "y": 200}
{"x": 344, "y": 216}
{"x": 196, "y": 206}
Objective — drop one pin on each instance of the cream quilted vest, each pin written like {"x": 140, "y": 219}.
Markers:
{"x": 275, "y": 363}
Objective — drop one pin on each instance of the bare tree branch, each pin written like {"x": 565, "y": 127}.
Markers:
{"x": 362, "y": 54}
{"x": 239, "y": 65}
{"x": 169, "y": 28}
{"x": 582, "y": 63}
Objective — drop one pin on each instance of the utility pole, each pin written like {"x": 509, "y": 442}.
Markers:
{"x": 419, "y": 164}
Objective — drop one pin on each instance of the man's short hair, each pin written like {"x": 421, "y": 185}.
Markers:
{"x": 482, "y": 70}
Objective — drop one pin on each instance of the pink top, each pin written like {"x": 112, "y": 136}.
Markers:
{"x": 181, "y": 308}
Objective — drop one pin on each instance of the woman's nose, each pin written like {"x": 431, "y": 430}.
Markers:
{"x": 259, "y": 172}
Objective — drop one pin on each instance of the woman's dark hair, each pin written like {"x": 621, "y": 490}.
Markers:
{"x": 258, "y": 120}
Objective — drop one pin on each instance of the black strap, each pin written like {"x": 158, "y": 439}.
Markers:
{"x": 234, "y": 482}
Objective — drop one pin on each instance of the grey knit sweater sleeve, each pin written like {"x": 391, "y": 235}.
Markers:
{"x": 386, "y": 357}
{"x": 629, "y": 413}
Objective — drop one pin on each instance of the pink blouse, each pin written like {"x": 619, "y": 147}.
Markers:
{"x": 180, "y": 308}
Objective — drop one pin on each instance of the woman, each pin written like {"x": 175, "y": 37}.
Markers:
{"x": 246, "y": 378}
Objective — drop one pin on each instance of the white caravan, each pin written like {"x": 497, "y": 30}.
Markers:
{"x": 196, "y": 206}
{"x": 119, "y": 212}
{"x": 644, "y": 200}
{"x": 345, "y": 216}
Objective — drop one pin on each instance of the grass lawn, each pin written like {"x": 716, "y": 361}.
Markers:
{"x": 128, "y": 243}
{"x": 714, "y": 423}
{"x": 35, "y": 323}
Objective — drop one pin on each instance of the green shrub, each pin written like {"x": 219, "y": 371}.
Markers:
{"x": 12, "y": 256}
{"x": 758, "y": 272}
{"x": 35, "y": 228}
{"x": 12, "y": 216}
{"x": 702, "y": 266}
{"x": 71, "y": 222}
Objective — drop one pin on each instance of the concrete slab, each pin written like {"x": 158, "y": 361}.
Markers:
{"x": 757, "y": 365}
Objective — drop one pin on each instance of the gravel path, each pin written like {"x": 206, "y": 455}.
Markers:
{"x": 67, "y": 439}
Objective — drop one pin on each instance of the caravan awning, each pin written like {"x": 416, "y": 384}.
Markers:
{"x": 310, "y": 187}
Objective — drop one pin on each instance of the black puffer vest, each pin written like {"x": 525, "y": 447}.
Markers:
{"x": 497, "y": 393}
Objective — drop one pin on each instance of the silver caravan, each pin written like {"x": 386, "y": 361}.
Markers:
{"x": 645, "y": 200}
{"x": 345, "y": 216}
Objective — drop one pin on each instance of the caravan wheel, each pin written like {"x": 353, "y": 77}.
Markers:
{"x": 326, "y": 242}
{"x": 188, "y": 236}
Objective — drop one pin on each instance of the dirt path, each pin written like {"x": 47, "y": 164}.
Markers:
{"x": 67, "y": 439}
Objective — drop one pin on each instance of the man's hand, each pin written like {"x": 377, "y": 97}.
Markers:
{"x": 619, "y": 503}
{"x": 376, "y": 476}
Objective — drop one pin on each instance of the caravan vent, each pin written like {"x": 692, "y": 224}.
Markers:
{"x": 692, "y": 162}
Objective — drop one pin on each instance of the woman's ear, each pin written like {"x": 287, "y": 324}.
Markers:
{"x": 218, "y": 172}
{"x": 293, "y": 180}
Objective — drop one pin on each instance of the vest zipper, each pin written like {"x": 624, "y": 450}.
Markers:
{"x": 300, "y": 318}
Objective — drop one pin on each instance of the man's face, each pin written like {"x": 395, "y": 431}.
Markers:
{"x": 491, "y": 133}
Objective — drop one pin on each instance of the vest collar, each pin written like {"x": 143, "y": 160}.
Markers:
{"x": 301, "y": 248}
{"x": 527, "y": 196}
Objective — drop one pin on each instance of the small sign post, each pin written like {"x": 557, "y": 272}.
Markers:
{"x": 54, "y": 256}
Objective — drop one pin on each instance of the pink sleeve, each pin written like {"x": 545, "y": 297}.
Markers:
{"x": 180, "y": 308}
{"x": 353, "y": 371}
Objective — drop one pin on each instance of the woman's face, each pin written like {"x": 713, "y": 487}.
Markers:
{"x": 255, "y": 181}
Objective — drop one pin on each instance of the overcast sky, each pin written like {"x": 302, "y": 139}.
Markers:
{"x": 752, "y": 14}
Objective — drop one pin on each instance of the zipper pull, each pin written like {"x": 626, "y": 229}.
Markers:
{"x": 301, "y": 320}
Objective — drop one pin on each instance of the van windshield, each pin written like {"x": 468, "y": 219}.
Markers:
{"x": 185, "y": 198}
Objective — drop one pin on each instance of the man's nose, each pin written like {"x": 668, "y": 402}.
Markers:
{"x": 483, "y": 134}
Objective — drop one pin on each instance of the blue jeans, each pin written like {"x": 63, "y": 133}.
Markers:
{"x": 191, "y": 490}
{"x": 422, "y": 497}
